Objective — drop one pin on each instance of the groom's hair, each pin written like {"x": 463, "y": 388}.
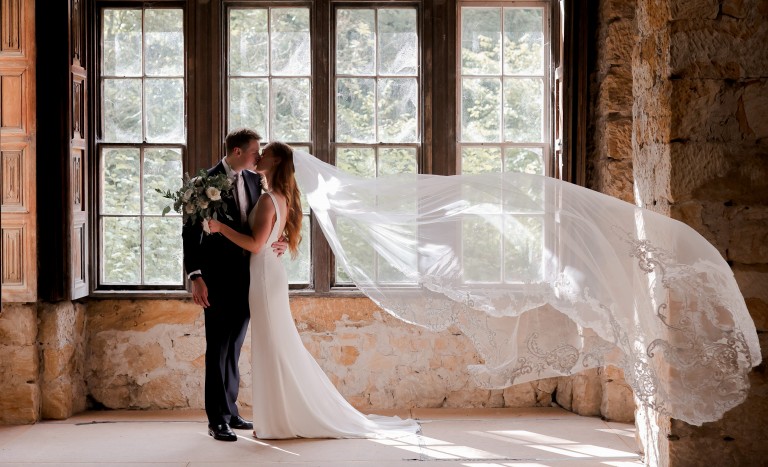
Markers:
{"x": 240, "y": 138}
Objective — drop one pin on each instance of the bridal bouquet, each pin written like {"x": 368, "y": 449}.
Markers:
{"x": 200, "y": 197}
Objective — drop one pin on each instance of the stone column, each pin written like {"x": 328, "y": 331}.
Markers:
{"x": 700, "y": 144}
{"x": 62, "y": 343}
{"x": 19, "y": 365}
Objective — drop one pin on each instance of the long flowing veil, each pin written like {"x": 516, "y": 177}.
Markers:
{"x": 546, "y": 278}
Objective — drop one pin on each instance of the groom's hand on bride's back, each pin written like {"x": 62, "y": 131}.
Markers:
{"x": 200, "y": 292}
{"x": 280, "y": 246}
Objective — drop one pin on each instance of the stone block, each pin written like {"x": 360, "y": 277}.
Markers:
{"x": 719, "y": 49}
{"x": 57, "y": 399}
{"x": 20, "y": 365}
{"x": 564, "y": 394}
{"x": 706, "y": 111}
{"x": 615, "y": 95}
{"x": 587, "y": 393}
{"x": 612, "y": 10}
{"x": 749, "y": 236}
{"x": 754, "y": 108}
{"x": 753, "y": 283}
{"x": 686, "y": 9}
{"x": 20, "y": 404}
{"x": 520, "y": 395}
{"x": 18, "y": 324}
{"x": 616, "y": 41}
{"x": 618, "y": 404}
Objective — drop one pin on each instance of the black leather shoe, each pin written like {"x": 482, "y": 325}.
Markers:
{"x": 238, "y": 423}
{"x": 222, "y": 432}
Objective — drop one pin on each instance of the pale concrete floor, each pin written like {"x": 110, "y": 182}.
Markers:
{"x": 535, "y": 437}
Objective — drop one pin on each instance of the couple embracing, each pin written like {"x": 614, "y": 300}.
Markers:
{"x": 237, "y": 276}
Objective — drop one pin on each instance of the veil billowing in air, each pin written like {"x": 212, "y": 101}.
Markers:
{"x": 546, "y": 278}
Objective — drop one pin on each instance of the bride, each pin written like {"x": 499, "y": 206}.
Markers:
{"x": 292, "y": 396}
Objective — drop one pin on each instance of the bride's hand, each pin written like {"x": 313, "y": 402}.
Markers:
{"x": 214, "y": 226}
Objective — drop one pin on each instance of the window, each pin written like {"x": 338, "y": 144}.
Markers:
{"x": 377, "y": 106}
{"x": 504, "y": 126}
{"x": 143, "y": 135}
{"x": 376, "y": 88}
{"x": 270, "y": 90}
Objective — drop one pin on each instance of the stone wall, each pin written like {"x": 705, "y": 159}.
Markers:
{"x": 149, "y": 354}
{"x": 700, "y": 144}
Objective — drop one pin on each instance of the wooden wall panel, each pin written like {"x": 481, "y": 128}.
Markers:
{"x": 13, "y": 254}
{"x": 15, "y": 192}
{"x": 18, "y": 152}
{"x": 11, "y": 27}
{"x": 11, "y": 100}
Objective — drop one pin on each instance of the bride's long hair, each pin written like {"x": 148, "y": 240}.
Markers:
{"x": 284, "y": 181}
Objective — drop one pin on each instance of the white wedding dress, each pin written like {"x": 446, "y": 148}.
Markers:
{"x": 292, "y": 396}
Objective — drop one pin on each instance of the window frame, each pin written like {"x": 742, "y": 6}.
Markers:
{"x": 97, "y": 144}
{"x": 206, "y": 95}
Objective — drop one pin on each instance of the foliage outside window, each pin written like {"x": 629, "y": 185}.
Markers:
{"x": 270, "y": 90}
{"x": 377, "y": 106}
{"x": 142, "y": 110}
{"x": 503, "y": 126}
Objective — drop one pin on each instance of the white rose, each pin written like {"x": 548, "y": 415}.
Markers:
{"x": 213, "y": 193}
{"x": 189, "y": 208}
{"x": 202, "y": 203}
{"x": 187, "y": 195}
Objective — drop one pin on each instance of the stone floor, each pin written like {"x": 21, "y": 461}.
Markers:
{"x": 472, "y": 438}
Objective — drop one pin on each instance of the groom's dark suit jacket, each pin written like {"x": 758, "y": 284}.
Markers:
{"x": 223, "y": 264}
{"x": 225, "y": 269}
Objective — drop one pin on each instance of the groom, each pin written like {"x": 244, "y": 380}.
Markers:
{"x": 219, "y": 272}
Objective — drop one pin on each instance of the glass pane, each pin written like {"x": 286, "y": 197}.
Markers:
{"x": 164, "y": 42}
{"x": 291, "y": 50}
{"x": 357, "y": 247}
{"x": 165, "y": 110}
{"x": 298, "y": 270}
{"x": 355, "y": 42}
{"x": 120, "y": 183}
{"x": 397, "y": 161}
{"x": 523, "y": 41}
{"x": 162, "y": 170}
{"x": 528, "y": 160}
{"x": 355, "y": 115}
{"x": 481, "y": 243}
{"x": 480, "y": 110}
{"x": 291, "y": 115}
{"x": 122, "y": 111}
{"x": 523, "y": 110}
{"x": 480, "y": 41}
{"x": 121, "y": 257}
{"x": 249, "y": 104}
{"x": 398, "y": 42}
{"x": 477, "y": 160}
{"x": 393, "y": 161}
{"x": 398, "y": 235}
{"x": 248, "y": 42}
{"x": 162, "y": 250}
{"x": 357, "y": 161}
{"x": 523, "y": 248}
{"x": 121, "y": 43}
{"x": 398, "y": 110}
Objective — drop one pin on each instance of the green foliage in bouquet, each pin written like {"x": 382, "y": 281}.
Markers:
{"x": 200, "y": 198}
